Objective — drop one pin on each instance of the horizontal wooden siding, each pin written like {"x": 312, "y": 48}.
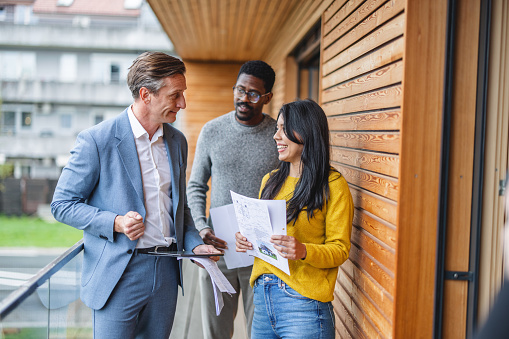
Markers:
{"x": 361, "y": 93}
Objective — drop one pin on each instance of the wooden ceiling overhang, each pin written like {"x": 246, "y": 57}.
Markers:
{"x": 236, "y": 30}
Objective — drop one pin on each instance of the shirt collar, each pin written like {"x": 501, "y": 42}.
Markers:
{"x": 138, "y": 129}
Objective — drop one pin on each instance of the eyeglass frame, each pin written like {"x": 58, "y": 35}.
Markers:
{"x": 248, "y": 93}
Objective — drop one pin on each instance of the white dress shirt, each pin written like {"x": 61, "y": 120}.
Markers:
{"x": 156, "y": 177}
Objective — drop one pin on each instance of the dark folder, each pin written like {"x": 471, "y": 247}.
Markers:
{"x": 185, "y": 254}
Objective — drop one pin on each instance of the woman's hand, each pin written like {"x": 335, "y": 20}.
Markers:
{"x": 289, "y": 247}
{"x": 241, "y": 243}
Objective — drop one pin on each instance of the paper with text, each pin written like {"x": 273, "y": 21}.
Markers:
{"x": 257, "y": 221}
{"x": 225, "y": 227}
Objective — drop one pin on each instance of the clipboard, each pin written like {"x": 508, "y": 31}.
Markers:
{"x": 186, "y": 254}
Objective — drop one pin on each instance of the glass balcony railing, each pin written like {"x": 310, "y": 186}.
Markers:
{"x": 47, "y": 305}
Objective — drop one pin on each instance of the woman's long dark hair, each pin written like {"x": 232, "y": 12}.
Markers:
{"x": 306, "y": 119}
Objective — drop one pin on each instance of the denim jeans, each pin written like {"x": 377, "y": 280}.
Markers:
{"x": 281, "y": 312}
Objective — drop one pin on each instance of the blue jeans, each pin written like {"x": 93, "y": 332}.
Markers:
{"x": 281, "y": 312}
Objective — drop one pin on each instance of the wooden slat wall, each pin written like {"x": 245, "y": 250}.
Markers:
{"x": 209, "y": 94}
{"x": 278, "y": 53}
{"x": 361, "y": 93}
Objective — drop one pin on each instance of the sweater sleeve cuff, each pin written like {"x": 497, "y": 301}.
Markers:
{"x": 310, "y": 252}
{"x": 202, "y": 226}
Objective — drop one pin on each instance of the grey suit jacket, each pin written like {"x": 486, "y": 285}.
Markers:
{"x": 102, "y": 180}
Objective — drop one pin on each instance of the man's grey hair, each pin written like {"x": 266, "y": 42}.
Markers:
{"x": 150, "y": 69}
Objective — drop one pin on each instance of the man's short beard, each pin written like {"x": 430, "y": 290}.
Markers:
{"x": 244, "y": 117}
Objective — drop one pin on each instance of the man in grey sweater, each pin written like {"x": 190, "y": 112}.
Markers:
{"x": 236, "y": 150}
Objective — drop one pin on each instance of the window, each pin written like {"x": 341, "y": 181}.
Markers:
{"x": 114, "y": 73}
{"x": 64, "y": 3}
{"x": 307, "y": 56}
{"x": 68, "y": 67}
{"x": 3, "y": 13}
{"x": 308, "y": 79}
{"x": 65, "y": 121}
{"x": 98, "y": 119}
{"x": 9, "y": 123}
{"x": 7, "y": 13}
{"x": 110, "y": 67}
{"x": 81, "y": 21}
{"x": 25, "y": 171}
{"x": 132, "y": 4}
{"x": 26, "y": 119}
{"x": 23, "y": 14}
{"x": 17, "y": 65}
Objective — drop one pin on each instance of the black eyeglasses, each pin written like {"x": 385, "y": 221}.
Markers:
{"x": 252, "y": 96}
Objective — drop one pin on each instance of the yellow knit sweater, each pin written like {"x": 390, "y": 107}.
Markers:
{"x": 327, "y": 240}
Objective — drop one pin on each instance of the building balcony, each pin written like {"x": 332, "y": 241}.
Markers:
{"x": 104, "y": 38}
{"x": 35, "y": 146}
{"x": 91, "y": 94}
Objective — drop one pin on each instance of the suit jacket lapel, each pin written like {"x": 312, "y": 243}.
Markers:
{"x": 172, "y": 148}
{"x": 127, "y": 151}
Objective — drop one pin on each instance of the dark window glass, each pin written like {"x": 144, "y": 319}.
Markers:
{"x": 65, "y": 121}
{"x": 307, "y": 56}
{"x": 98, "y": 119}
{"x": 9, "y": 122}
{"x": 115, "y": 73}
{"x": 26, "y": 119}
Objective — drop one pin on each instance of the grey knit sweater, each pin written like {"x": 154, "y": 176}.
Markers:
{"x": 236, "y": 156}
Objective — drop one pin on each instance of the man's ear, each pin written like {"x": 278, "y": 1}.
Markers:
{"x": 145, "y": 95}
{"x": 268, "y": 98}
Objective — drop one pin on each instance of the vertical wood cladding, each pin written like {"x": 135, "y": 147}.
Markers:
{"x": 361, "y": 93}
{"x": 209, "y": 95}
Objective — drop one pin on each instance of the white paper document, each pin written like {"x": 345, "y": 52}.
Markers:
{"x": 225, "y": 227}
{"x": 257, "y": 221}
{"x": 219, "y": 281}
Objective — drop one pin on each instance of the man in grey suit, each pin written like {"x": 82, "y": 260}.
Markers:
{"x": 124, "y": 186}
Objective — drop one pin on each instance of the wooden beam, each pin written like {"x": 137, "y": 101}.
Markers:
{"x": 461, "y": 169}
{"x": 421, "y": 137}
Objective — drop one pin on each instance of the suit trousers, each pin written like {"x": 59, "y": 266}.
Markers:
{"x": 221, "y": 327}
{"x": 142, "y": 304}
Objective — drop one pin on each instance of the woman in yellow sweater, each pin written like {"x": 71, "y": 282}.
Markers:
{"x": 319, "y": 224}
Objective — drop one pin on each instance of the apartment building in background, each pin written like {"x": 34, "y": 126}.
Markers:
{"x": 63, "y": 68}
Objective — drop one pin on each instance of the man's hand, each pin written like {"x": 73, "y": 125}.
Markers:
{"x": 206, "y": 249}
{"x": 209, "y": 238}
{"x": 241, "y": 243}
{"x": 130, "y": 224}
{"x": 289, "y": 247}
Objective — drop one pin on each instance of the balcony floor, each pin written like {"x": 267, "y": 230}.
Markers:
{"x": 187, "y": 322}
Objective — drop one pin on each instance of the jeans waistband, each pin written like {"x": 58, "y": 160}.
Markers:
{"x": 266, "y": 279}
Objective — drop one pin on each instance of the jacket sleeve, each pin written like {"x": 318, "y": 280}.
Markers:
{"x": 191, "y": 236}
{"x": 75, "y": 185}
{"x": 198, "y": 182}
